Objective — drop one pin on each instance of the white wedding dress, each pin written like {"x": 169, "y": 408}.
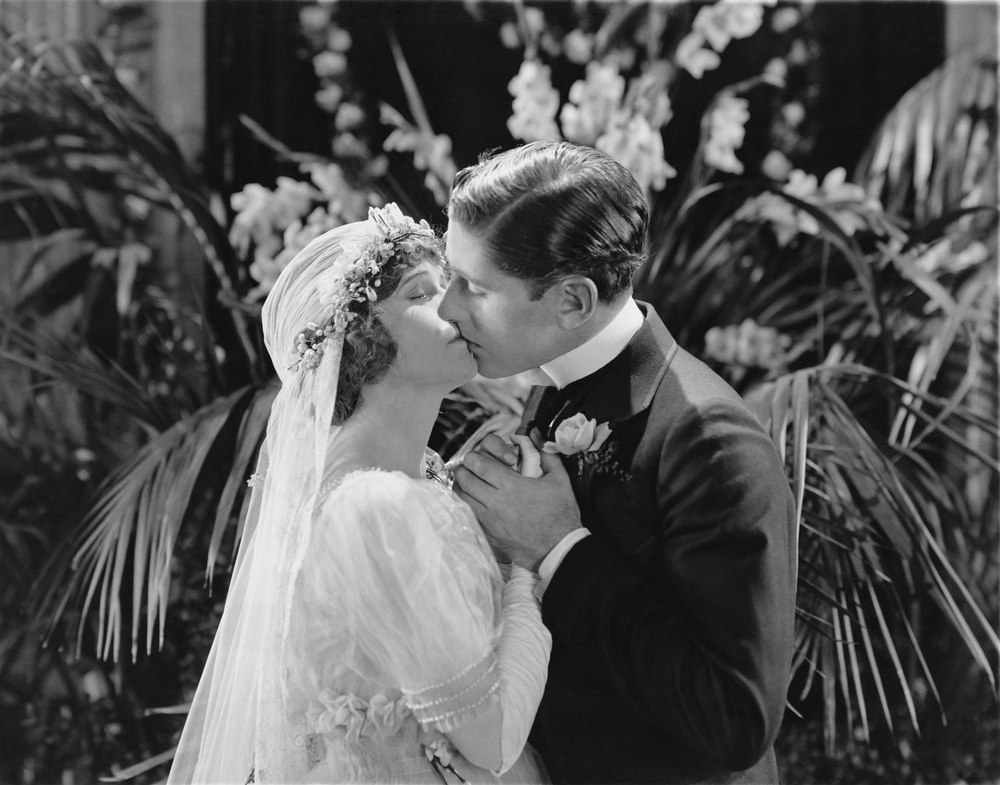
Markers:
{"x": 366, "y": 619}
{"x": 395, "y": 633}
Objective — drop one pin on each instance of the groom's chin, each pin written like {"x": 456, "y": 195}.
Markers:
{"x": 490, "y": 368}
{"x": 489, "y": 371}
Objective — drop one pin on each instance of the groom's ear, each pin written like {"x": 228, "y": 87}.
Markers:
{"x": 575, "y": 301}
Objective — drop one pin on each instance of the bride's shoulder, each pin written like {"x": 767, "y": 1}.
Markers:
{"x": 375, "y": 487}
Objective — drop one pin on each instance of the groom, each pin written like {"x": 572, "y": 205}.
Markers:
{"x": 664, "y": 535}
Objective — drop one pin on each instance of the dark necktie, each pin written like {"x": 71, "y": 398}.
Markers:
{"x": 539, "y": 410}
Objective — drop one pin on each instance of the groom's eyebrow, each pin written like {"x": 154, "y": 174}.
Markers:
{"x": 466, "y": 276}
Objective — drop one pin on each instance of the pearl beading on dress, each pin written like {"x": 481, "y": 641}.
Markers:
{"x": 452, "y": 680}
{"x": 463, "y": 709}
{"x": 428, "y": 704}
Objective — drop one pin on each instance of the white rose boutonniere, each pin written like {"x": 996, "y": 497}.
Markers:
{"x": 578, "y": 434}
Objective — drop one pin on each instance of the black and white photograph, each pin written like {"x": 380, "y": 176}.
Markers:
{"x": 465, "y": 392}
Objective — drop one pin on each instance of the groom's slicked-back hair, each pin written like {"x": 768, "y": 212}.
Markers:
{"x": 547, "y": 210}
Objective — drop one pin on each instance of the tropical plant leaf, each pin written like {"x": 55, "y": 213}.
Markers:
{"x": 937, "y": 148}
{"x": 67, "y": 96}
{"x": 142, "y": 767}
{"x": 139, "y": 511}
{"x": 859, "y": 501}
{"x": 43, "y": 351}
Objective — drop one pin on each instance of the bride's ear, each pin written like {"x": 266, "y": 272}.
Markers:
{"x": 575, "y": 301}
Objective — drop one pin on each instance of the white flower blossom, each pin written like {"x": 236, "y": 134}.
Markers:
{"x": 261, "y": 212}
{"x": 743, "y": 18}
{"x": 329, "y": 64}
{"x": 534, "y": 19}
{"x": 776, "y": 165}
{"x": 836, "y": 188}
{"x": 720, "y": 23}
{"x": 777, "y": 68}
{"x": 578, "y": 434}
{"x": 799, "y": 53}
{"x": 431, "y": 154}
{"x": 314, "y": 18}
{"x": 694, "y": 58}
{"x": 349, "y": 116}
{"x": 649, "y": 95}
{"x": 592, "y": 102}
{"x": 785, "y": 19}
{"x": 338, "y": 40}
{"x": 726, "y": 132}
{"x": 793, "y": 113}
{"x": 622, "y": 56}
{"x": 535, "y": 103}
{"x": 579, "y": 46}
{"x": 749, "y": 345}
{"x": 710, "y": 24}
{"x": 846, "y": 203}
{"x": 638, "y": 147}
{"x": 509, "y": 36}
{"x": 328, "y": 98}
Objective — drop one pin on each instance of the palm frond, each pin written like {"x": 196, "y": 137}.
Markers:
{"x": 866, "y": 522}
{"x": 48, "y": 354}
{"x": 138, "y": 514}
{"x": 68, "y": 125}
{"x": 937, "y": 150}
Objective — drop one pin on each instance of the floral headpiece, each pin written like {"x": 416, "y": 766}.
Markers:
{"x": 387, "y": 233}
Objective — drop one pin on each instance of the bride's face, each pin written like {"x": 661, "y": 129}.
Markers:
{"x": 431, "y": 351}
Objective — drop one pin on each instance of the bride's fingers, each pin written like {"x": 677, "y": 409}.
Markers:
{"x": 531, "y": 459}
{"x": 498, "y": 448}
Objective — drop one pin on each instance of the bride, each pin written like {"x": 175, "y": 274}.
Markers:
{"x": 368, "y": 634}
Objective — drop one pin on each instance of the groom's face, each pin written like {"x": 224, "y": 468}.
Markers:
{"x": 506, "y": 330}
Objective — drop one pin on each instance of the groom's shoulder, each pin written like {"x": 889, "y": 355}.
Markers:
{"x": 690, "y": 383}
{"x": 684, "y": 384}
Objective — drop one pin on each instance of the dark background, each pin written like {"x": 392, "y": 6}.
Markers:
{"x": 868, "y": 55}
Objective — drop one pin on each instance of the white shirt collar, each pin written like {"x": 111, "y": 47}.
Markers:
{"x": 595, "y": 353}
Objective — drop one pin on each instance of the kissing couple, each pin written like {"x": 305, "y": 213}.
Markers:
{"x": 643, "y": 631}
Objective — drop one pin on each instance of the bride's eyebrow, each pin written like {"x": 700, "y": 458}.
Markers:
{"x": 412, "y": 275}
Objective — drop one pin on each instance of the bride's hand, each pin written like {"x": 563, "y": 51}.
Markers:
{"x": 522, "y": 456}
{"x": 530, "y": 463}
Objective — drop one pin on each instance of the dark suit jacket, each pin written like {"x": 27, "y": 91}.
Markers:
{"x": 672, "y": 622}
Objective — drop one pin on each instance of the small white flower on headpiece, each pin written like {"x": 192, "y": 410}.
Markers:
{"x": 386, "y": 233}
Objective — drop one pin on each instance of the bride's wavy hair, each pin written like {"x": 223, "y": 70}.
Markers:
{"x": 369, "y": 348}
{"x": 547, "y": 210}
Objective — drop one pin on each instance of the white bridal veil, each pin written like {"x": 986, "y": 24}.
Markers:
{"x": 237, "y": 730}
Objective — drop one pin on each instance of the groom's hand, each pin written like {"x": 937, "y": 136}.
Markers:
{"x": 526, "y": 518}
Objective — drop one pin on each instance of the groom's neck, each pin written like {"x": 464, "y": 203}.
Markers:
{"x": 603, "y": 315}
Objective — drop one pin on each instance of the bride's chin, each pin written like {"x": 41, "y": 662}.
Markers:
{"x": 468, "y": 373}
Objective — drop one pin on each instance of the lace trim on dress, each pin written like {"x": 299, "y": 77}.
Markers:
{"x": 452, "y": 703}
{"x": 433, "y": 470}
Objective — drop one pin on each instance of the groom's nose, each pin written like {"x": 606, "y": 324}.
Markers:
{"x": 448, "y": 307}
